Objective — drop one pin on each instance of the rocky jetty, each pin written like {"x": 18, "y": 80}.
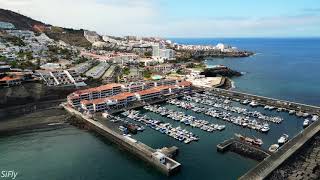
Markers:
{"x": 220, "y": 71}
{"x": 220, "y": 54}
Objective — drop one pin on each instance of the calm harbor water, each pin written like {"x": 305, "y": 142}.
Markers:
{"x": 282, "y": 68}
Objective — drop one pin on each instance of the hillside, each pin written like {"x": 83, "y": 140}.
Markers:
{"x": 20, "y": 21}
{"x": 70, "y": 36}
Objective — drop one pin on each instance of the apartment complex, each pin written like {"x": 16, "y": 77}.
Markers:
{"x": 61, "y": 78}
{"x": 93, "y": 93}
{"x": 113, "y": 95}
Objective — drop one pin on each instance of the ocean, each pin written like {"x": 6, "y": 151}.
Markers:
{"x": 282, "y": 68}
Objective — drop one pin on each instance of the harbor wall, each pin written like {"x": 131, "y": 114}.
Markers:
{"x": 141, "y": 150}
{"x": 270, "y": 101}
{"x": 271, "y": 163}
{"x": 243, "y": 149}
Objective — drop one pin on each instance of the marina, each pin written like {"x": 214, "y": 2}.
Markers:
{"x": 186, "y": 118}
{"x": 243, "y": 121}
{"x": 165, "y": 128}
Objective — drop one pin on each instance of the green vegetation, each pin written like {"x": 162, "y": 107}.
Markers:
{"x": 3, "y": 58}
{"x": 196, "y": 65}
{"x": 13, "y": 64}
{"x": 147, "y": 74}
{"x": 15, "y": 40}
{"x": 126, "y": 71}
{"x": 25, "y": 55}
{"x": 148, "y": 54}
{"x": 25, "y": 65}
{"x": 81, "y": 60}
{"x": 180, "y": 71}
{"x": 65, "y": 53}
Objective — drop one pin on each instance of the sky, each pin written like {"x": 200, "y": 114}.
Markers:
{"x": 178, "y": 18}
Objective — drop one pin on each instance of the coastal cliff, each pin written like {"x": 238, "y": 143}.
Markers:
{"x": 31, "y": 93}
{"x": 220, "y": 71}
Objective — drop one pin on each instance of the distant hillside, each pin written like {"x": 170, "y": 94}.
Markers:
{"x": 70, "y": 36}
{"x": 19, "y": 21}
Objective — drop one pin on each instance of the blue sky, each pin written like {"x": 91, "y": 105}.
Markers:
{"x": 179, "y": 18}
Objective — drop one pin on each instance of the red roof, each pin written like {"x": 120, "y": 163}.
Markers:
{"x": 95, "y": 101}
{"x": 148, "y": 91}
{"x": 122, "y": 96}
{"x": 96, "y": 89}
{"x": 163, "y": 87}
{"x": 7, "y": 78}
{"x": 185, "y": 83}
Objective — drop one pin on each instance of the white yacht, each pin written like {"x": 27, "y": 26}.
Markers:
{"x": 254, "y": 104}
{"x": 283, "y": 139}
{"x": 315, "y": 118}
{"x": 265, "y": 128}
{"x": 306, "y": 122}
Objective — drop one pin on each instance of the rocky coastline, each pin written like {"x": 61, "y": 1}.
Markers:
{"x": 219, "y": 54}
{"x": 220, "y": 71}
{"x": 43, "y": 120}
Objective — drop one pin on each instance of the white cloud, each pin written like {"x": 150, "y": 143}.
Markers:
{"x": 110, "y": 16}
{"x": 145, "y": 17}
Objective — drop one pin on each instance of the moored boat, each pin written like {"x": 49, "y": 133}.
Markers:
{"x": 274, "y": 148}
{"x": 306, "y": 122}
{"x": 283, "y": 139}
{"x": 253, "y": 140}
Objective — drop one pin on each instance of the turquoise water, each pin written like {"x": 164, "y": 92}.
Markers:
{"x": 283, "y": 68}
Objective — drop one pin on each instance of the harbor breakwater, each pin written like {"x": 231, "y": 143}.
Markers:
{"x": 139, "y": 149}
{"x": 243, "y": 149}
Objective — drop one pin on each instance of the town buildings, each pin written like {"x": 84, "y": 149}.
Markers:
{"x": 157, "y": 52}
{"x": 61, "y": 78}
{"x": 114, "y": 95}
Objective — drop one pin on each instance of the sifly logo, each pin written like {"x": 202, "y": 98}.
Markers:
{"x": 9, "y": 174}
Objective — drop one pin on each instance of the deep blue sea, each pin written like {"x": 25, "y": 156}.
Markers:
{"x": 282, "y": 68}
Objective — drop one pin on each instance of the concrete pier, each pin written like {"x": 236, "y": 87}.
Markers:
{"x": 243, "y": 149}
{"x": 144, "y": 152}
{"x": 265, "y": 168}
{"x": 272, "y": 162}
{"x": 269, "y": 101}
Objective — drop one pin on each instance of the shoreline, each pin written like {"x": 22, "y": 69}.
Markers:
{"x": 48, "y": 119}
{"x": 228, "y": 84}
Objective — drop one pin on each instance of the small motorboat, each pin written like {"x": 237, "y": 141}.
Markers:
{"x": 265, "y": 128}
{"x": 306, "y": 122}
{"x": 283, "y": 139}
{"x": 257, "y": 141}
{"x": 273, "y": 148}
{"x": 292, "y": 112}
{"x": 253, "y": 104}
{"x": 245, "y": 102}
{"x": 253, "y": 141}
{"x": 315, "y": 118}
